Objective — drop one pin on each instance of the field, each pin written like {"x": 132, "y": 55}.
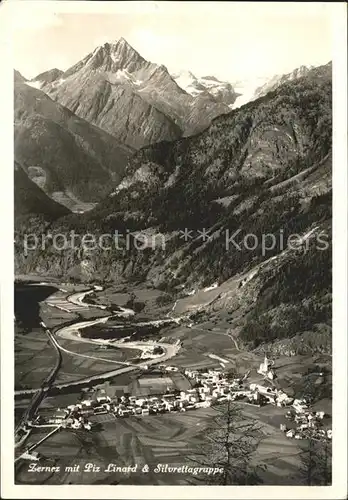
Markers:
{"x": 172, "y": 439}
{"x": 165, "y": 439}
{"x": 34, "y": 358}
{"x": 198, "y": 343}
{"x": 202, "y": 297}
{"x": 157, "y": 383}
{"x": 78, "y": 365}
{"x": 278, "y": 455}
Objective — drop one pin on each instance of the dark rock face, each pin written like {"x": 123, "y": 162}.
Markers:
{"x": 118, "y": 110}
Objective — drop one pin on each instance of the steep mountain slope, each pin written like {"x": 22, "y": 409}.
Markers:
{"x": 66, "y": 156}
{"x": 257, "y": 147}
{"x": 137, "y": 101}
{"x": 33, "y": 211}
{"x": 18, "y": 77}
{"x": 260, "y": 174}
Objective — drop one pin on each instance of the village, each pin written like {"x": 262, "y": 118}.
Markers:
{"x": 209, "y": 387}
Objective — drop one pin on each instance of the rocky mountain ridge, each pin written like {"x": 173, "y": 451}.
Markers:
{"x": 135, "y": 100}
{"x": 277, "y": 80}
{"x": 252, "y": 88}
{"x": 221, "y": 90}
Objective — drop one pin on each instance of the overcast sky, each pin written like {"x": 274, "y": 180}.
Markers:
{"x": 229, "y": 40}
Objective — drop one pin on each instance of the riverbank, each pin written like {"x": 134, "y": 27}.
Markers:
{"x": 68, "y": 337}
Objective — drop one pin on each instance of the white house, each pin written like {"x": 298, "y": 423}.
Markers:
{"x": 202, "y": 404}
{"x": 265, "y": 369}
{"x": 87, "y": 402}
{"x": 283, "y": 399}
{"x": 299, "y": 406}
{"x": 211, "y": 287}
{"x": 103, "y": 399}
{"x": 140, "y": 401}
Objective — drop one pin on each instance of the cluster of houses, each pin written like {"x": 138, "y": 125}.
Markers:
{"x": 305, "y": 423}
{"x": 209, "y": 387}
{"x": 72, "y": 417}
{"x": 214, "y": 386}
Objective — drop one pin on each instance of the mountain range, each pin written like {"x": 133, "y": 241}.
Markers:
{"x": 73, "y": 161}
{"x": 222, "y": 91}
{"x": 260, "y": 169}
{"x": 277, "y": 80}
{"x": 141, "y": 151}
{"x": 140, "y": 102}
{"x": 136, "y": 101}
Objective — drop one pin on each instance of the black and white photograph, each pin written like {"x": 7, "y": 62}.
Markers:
{"x": 173, "y": 250}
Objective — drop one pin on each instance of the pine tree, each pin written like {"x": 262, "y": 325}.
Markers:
{"x": 231, "y": 441}
{"x": 316, "y": 469}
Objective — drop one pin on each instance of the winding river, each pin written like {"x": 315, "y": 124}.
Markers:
{"x": 71, "y": 332}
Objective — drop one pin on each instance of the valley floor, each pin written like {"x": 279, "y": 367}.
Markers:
{"x": 172, "y": 439}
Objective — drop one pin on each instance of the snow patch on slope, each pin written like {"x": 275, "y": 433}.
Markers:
{"x": 246, "y": 90}
{"x": 185, "y": 80}
{"x": 36, "y": 84}
{"x": 196, "y": 85}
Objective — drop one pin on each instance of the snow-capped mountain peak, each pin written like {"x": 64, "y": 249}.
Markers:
{"x": 253, "y": 88}
{"x": 187, "y": 81}
{"x": 123, "y": 54}
{"x": 133, "y": 99}
{"x": 223, "y": 91}
{"x": 277, "y": 80}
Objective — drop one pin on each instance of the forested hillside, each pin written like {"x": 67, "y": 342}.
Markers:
{"x": 264, "y": 168}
